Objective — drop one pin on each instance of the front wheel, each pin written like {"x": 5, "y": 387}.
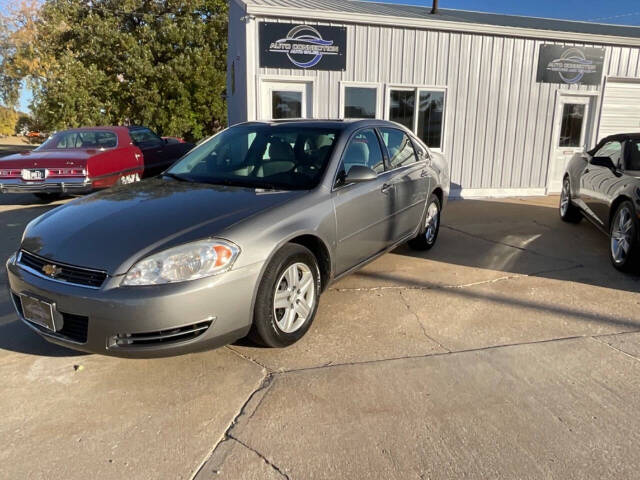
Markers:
{"x": 287, "y": 298}
{"x": 624, "y": 250}
{"x": 568, "y": 211}
{"x": 429, "y": 226}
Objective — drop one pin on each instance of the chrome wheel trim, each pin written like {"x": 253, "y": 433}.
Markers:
{"x": 621, "y": 235}
{"x": 565, "y": 198}
{"x": 294, "y": 297}
{"x": 431, "y": 222}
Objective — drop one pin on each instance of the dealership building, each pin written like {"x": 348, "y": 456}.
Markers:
{"x": 507, "y": 99}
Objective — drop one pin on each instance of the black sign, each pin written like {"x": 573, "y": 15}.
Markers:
{"x": 571, "y": 65}
{"x": 309, "y": 47}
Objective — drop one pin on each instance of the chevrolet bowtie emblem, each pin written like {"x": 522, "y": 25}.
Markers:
{"x": 51, "y": 270}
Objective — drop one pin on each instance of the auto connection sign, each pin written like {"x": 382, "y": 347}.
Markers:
{"x": 307, "y": 47}
{"x": 570, "y": 65}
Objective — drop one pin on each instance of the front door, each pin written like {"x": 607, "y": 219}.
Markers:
{"x": 571, "y": 128}
{"x": 281, "y": 100}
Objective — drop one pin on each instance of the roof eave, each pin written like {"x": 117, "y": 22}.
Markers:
{"x": 435, "y": 24}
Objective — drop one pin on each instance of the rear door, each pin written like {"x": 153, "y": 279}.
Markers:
{"x": 363, "y": 210}
{"x": 409, "y": 177}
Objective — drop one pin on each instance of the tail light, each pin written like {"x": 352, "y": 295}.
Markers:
{"x": 67, "y": 172}
{"x": 10, "y": 173}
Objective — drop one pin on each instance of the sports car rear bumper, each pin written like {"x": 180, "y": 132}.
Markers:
{"x": 50, "y": 185}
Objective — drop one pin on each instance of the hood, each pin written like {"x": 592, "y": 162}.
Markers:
{"x": 48, "y": 158}
{"x": 112, "y": 229}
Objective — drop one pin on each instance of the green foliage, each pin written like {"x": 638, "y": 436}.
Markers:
{"x": 159, "y": 63}
{"x": 8, "y": 120}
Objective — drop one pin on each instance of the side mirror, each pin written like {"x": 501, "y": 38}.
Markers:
{"x": 360, "y": 173}
{"x": 605, "y": 162}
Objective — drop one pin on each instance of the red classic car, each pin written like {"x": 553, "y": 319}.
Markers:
{"x": 85, "y": 159}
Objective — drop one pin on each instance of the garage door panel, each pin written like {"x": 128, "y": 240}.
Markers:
{"x": 620, "y": 107}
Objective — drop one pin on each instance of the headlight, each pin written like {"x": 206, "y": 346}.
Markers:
{"x": 186, "y": 262}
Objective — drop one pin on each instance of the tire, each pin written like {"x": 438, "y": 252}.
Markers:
{"x": 624, "y": 247}
{"x": 48, "y": 197}
{"x": 568, "y": 211}
{"x": 272, "y": 327}
{"x": 429, "y": 226}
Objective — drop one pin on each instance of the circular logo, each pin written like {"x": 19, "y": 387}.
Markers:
{"x": 575, "y": 65}
{"x": 306, "y": 47}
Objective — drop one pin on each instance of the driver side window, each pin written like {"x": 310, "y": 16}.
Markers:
{"x": 363, "y": 149}
{"x": 613, "y": 150}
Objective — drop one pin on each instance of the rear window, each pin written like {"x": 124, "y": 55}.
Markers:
{"x": 80, "y": 139}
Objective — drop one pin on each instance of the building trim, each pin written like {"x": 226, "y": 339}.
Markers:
{"x": 352, "y": 83}
{"x": 434, "y": 24}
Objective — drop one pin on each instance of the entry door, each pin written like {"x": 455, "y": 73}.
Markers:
{"x": 285, "y": 100}
{"x": 571, "y": 129}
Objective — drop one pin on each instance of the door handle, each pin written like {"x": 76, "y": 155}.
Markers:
{"x": 586, "y": 170}
{"x": 386, "y": 187}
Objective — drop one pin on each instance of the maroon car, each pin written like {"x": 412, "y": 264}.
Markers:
{"x": 85, "y": 159}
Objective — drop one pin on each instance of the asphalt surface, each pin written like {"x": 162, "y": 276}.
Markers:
{"x": 510, "y": 350}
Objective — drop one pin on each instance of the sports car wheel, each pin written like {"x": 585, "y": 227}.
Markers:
{"x": 568, "y": 211}
{"x": 429, "y": 227}
{"x": 624, "y": 250}
{"x": 287, "y": 298}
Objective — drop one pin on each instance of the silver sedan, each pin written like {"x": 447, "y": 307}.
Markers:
{"x": 238, "y": 238}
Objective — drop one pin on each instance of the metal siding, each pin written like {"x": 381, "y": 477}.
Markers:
{"x": 620, "y": 112}
{"x": 498, "y": 119}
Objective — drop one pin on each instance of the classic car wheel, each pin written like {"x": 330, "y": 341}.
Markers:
{"x": 568, "y": 211}
{"x": 429, "y": 227}
{"x": 623, "y": 249}
{"x": 287, "y": 298}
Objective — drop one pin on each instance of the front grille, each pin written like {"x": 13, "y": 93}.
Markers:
{"x": 67, "y": 273}
{"x": 172, "y": 335}
{"x": 74, "y": 327}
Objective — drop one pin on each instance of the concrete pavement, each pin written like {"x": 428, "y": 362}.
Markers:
{"x": 509, "y": 350}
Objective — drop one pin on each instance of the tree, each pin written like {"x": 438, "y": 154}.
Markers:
{"x": 159, "y": 63}
{"x": 8, "y": 121}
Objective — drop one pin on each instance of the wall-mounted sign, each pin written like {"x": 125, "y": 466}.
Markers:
{"x": 571, "y": 65}
{"x": 286, "y": 45}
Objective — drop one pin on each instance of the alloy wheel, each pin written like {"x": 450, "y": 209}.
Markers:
{"x": 621, "y": 235}
{"x": 294, "y": 298}
{"x": 565, "y": 198}
{"x": 431, "y": 223}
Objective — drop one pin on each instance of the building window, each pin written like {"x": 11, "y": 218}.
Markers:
{"x": 402, "y": 107}
{"x": 424, "y": 117}
{"x": 430, "y": 111}
{"x": 571, "y": 129}
{"x": 286, "y": 104}
{"x": 360, "y": 102}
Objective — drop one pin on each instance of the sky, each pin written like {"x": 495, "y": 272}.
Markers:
{"x": 621, "y": 12}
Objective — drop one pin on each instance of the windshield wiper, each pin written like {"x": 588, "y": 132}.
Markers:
{"x": 175, "y": 176}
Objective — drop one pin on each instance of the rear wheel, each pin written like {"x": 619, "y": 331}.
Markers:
{"x": 624, "y": 249}
{"x": 429, "y": 227}
{"x": 287, "y": 298}
{"x": 568, "y": 211}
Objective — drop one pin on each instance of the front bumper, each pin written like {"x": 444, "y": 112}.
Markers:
{"x": 115, "y": 318}
{"x": 49, "y": 185}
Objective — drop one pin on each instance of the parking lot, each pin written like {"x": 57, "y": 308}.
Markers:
{"x": 509, "y": 350}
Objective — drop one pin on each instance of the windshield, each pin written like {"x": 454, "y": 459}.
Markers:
{"x": 80, "y": 139}
{"x": 287, "y": 157}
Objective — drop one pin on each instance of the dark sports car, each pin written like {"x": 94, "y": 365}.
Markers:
{"x": 603, "y": 185}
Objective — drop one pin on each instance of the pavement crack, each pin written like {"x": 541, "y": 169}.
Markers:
{"x": 262, "y": 457}
{"x": 248, "y": 358}
{"x": 597, "y": 339}
{"x": 417, "y": 317}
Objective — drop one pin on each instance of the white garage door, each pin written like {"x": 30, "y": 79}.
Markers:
{"x": 620, "y": 107}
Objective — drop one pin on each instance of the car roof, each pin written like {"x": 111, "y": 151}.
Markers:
{"x": 340, "y": 124}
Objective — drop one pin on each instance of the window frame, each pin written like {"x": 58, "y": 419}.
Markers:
{"x": 343, "y": 96}
{"x": 383, "y": 151}
{"x": 386, "y": 154}
{"x": 417, "y": 88}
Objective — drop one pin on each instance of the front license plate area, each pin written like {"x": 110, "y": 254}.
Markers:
{"x": 38, "y": 311}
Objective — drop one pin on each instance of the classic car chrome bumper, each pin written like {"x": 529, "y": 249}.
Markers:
{"x": 50, "y": 185}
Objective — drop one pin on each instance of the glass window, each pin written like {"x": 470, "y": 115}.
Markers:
{"x": 286, "y": 157}
{"x": 364, "y": 149}
{"x": 81, "y": 139}
{"x": 360, "y": 102}
{"x": 286, "y": 104}
{"x": 633, "y": 162}
{"x": 613, "y": 150}
{"x": 399, "y": 146}
{"x": 144, "y": 136}
{"x": 430, "y": 118}
{"x": 571, "y": 129}
{"x": 402, "y": 107}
